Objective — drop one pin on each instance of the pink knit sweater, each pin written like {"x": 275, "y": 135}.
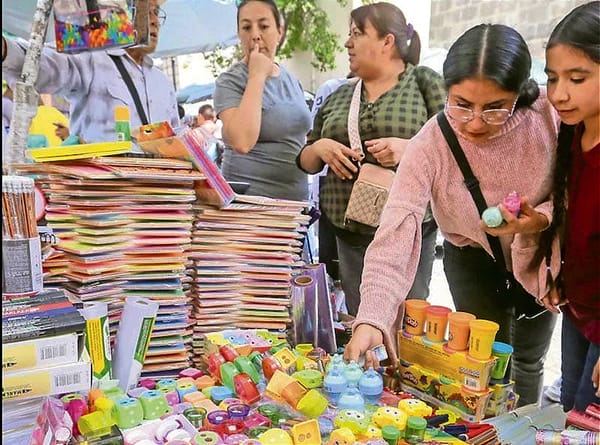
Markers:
{"x": 520, "y": 158}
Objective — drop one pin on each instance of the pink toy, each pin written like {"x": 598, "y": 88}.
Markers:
{"x": 191, "y": 372}
{"x": 512, "y": 203}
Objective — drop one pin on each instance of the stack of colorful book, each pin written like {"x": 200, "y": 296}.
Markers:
{"x": 123, "y": 226}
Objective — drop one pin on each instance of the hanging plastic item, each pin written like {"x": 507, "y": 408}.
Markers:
{"x": 92, "y": 24}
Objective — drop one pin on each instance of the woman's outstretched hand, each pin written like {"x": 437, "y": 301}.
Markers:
{"x": 364, "y": 339}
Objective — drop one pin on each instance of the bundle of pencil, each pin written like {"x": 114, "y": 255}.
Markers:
{"x": 18, "y": 208}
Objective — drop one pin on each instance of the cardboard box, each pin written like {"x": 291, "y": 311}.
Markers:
{"x": 70, "y": 377}
{"x": 446, "y": 393}
{"x": 472, "y": 373}
{"x": 42, "y": 352}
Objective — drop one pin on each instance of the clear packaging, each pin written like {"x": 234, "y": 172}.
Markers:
{"x": 93, "y": 24}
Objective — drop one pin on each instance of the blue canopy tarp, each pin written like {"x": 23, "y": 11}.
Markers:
{"x": 192, "y": 26}
{"x": 196, "y": 93}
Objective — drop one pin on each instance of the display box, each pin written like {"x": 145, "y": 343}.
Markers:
{"x": 472, "y": 373}
{"x": 69, "y": 377}
{"x": 446, "y": 393}
{"x": 42, "y": 352}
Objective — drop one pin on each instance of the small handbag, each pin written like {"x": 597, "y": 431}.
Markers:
{"x": 372, "y": 186}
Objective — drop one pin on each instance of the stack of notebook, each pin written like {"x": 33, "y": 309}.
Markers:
{"x": 123, "y": 226}
{"x": 241, "y": 260}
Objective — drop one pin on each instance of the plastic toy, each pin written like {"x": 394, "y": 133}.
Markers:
{"x": 269, "y": 366}
{"x": 244, "y": 364}
{"x": 313, "y": 404}
{"x": 192, "y": 373}
{"x": 306, "y": 433}
{"x": 154, "y": 404}
{"x": 371, "y": 385}
{"x": 184, "y": 388}
{"x": 208, "y": 438}
{"x": 214, "y": 362}
{"x": 334, "y": 383}
{"x": 238, "y": 411}
{"x": 415, "y": 430}
{"x": 341, "y": 436}
{"x": 245, "y": 388}
{"x": 286, "y": 358}
{"x": 354, "y": 420}
{"x": 166, "y": 383}
{"x": 228, "y": 372}
{"x": 414, "y": 407}
{"x": 309, "y": 378}
{"x": 128, "y": 413}
{"x": 195, "y": 416}
{"x": 372, "y": 431}
{"x": 293, "y": 392}
{"x": 351, "y": 398}
{"x": 275, "y": 436}
{"x": 386, "y": 415}
{"x": 353, "y": 373}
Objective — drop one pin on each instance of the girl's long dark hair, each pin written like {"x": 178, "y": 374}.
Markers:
{"x": 559, "y": 195}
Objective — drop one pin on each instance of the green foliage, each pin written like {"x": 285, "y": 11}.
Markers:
{"x": 307, "y": 28}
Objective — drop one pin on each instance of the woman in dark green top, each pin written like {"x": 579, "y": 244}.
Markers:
{"x": 397, "y": 99}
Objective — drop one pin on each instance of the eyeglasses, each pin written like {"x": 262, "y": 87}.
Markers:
{"x": 160, "y": 14}
{"x": 496, "y": 116}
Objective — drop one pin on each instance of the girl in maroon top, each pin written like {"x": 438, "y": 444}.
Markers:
{"x": 573, "y": 68}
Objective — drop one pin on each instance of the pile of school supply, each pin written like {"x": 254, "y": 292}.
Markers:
{"x": 42, "y": 346}
{"x": 123, "y": 226}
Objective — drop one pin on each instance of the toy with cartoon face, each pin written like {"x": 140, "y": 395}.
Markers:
{"x": 341, "y": 436}
{"x": 352, "y": 419}
{"x": 414, "y": 407}
{"x": 307, "y": 433}
{"x": 386, "y": 415}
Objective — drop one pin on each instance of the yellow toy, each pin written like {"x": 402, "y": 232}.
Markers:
{"x": 341, "y": 436}
{"x": 386, "y": 415}
{"x": 275, "y": 436}
{"x": 352, "y": 419}
{"x": 373, "y": 431}
{"x": 414, "y": 407}
{"x": 307, "y": 433}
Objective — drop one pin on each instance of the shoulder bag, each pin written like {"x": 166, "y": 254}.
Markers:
{"x": 372, "y": 186}
{"x": 472, "y": 184}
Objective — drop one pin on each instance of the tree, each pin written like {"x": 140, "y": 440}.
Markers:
{"x": 307, "y": 28}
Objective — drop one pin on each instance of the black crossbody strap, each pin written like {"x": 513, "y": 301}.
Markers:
{"x": 470, "y": 181}
{"x": 131, "y": 87}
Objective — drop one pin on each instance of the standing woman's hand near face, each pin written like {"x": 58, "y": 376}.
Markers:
{"x": 259, "y": 65}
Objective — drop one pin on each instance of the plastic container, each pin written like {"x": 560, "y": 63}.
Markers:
{"x": 415, "y": 430}
{"x": 482, "y": 337}
{"x": 371, "y": 386}
{"x": 391, "y": 434}
{"x": 414, "y": 316}
{"x": 458, "y": 330}
{"x": 436, "y": 323}
{"x": 334, "y": 384}
{"x": 502, "y": 352}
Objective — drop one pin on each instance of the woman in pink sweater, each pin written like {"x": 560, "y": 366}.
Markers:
{"x": 507, "y": 130}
